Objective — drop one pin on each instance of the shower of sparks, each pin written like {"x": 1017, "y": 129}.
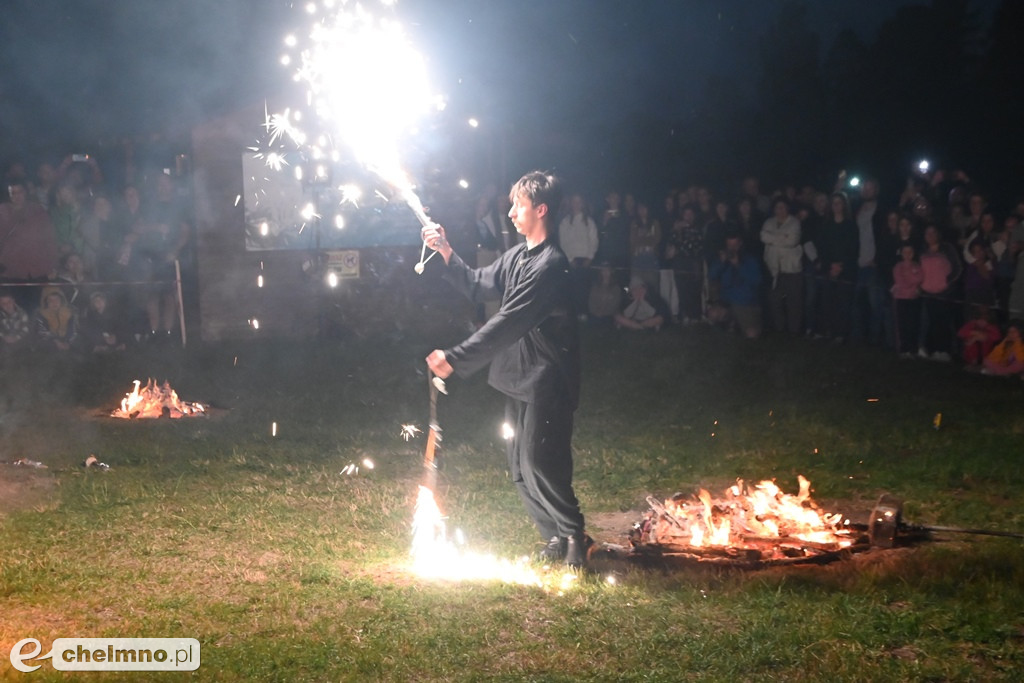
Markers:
{"x": 366, "y": 87}
{"x": 409, "y": 431}
{"x": 435, "y": 556}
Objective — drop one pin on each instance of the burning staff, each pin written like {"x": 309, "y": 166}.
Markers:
{"x": 532, "y": 347}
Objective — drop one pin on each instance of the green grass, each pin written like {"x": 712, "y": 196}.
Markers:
{"x": 284, "y": 569}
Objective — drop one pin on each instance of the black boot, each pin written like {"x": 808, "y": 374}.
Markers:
{"x": 554, "y": 550}
{"x": 577, "y": 549}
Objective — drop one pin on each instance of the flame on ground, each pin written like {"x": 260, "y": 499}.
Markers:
{"x": 759, "y": 517}
{"x": 152, "y": 400}
{"x": 435, "y": 556}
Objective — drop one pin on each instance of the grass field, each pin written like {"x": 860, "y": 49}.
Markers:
{"x": 285, "y": 569}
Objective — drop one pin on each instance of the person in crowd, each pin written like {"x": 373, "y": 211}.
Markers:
{"x": 82, "y": 172}
{"x": 45, "y": 188}
{"x": 14, "y": 325}
{"x": 703, "y": 206}
{"x": 812, "y": 221}
{"x": 737, "y": 275}
{"x": 163, "y": 241}
{"x": 750, "y": 189}
{"x": 888, "y": 248}
{"x": 783, "y": 255}
{"x": 977, "y": 205}
{"x": 629, "y": 207}
{"x": 28, "y": 244}
{"x": 717, "y": 227}
{"x": 979, "y": 278}
{"x": 67, "y": 216}
{"x": 984, "y": 235}
{"x": 613, "y": 233}
{"x": 56, "y": 323}
{"x": 644, "y": 240}
{"x": 73, "y": 278}
{"x": 101, "y": 328}
{"x": 683, "y": 253}
{"x": 1006, "y": 250}
{"x": 838, "y": 250}
{"x": 109, "y": 238}
{"x": 644, "y": 311}
{"x": 977, "y": 337}
{"x": 937, "y": 265}
{"x": 749, "y": 221}
{"x": 907, "y": 277}
{"x": 605, "y": 299}
{"x": 868, "y": 295}
{"x": 577, "y": 235}
{"x": 667, "y": 214}
{"x": 715, "y": 230}
{"x": 1007, "y": 357}
{"x": 666, "y": 275}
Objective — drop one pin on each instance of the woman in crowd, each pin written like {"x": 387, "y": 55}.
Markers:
{"x": 937, "y": 264}
{"x": 644, "y": 238}
{"x": 839, "y": 248}
{"x": 683, "y": 253}
{"x": 783, "y": 255}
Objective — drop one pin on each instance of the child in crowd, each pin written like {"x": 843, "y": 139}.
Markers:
{"x": 56, "y": 322}
{"x": 1007, "y": 357}
{"x": 907, "y": 277}
{"x": 14, "y": 329}
{"x": 979, "y": 278}
{"x": 641, "y": 313}
{"x": 100, "y": 327}
{"x": 978, "y": 335}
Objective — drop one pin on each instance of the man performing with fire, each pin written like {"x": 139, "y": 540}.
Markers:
{"x": 532, "y": 345}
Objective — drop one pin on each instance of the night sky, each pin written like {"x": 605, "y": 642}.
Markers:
{"x": 76, "y": 73}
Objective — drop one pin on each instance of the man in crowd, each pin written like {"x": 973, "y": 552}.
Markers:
{"x": 532, "y": 346}
{"x": 738, "y": 276}
{"x": 28, "y": 244}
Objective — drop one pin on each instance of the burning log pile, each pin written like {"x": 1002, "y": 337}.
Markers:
{"x": 153, "y": 401}
{"x": 755, "y": 526}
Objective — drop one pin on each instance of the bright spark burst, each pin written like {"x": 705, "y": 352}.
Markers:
{"x": 435, "y": 556}
{"x": 409, "y": 431}
{"x": 365, "y": 82}
{"x": 351, "y": 194}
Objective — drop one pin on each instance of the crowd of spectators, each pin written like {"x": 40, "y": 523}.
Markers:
{"x": 82, "y": 270}
{"x": 932, "y": 273}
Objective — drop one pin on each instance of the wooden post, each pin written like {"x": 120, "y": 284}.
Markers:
{"x": 181, "y": 303}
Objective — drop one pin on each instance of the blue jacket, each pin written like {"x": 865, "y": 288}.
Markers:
{"x": 739, "y": 283}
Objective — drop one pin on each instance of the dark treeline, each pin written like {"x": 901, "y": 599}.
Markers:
{"x": 938, "y": 80}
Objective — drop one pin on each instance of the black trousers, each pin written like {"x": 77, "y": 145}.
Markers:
{"x": 540, "y": 461}
{"x": 908, "y": 324}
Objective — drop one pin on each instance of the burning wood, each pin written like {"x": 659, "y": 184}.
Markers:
{"x": 153, "y": 400}
{"x": 747, "y": 524}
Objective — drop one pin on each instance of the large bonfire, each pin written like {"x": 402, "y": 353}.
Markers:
{"x": 760, "y": 519}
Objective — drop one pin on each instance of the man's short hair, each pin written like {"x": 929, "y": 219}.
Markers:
{"x": 540, "y": 188}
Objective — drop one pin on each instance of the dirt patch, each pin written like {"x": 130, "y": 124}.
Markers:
{"x": 23, "y": 488}
{"x": 612, "y": 527}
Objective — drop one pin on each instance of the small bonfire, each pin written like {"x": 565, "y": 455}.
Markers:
{"x": 751, "y": 523}
{"x": 155, "y": 400}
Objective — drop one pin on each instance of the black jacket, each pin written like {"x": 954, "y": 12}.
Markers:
{"x": 532, "y": 342}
